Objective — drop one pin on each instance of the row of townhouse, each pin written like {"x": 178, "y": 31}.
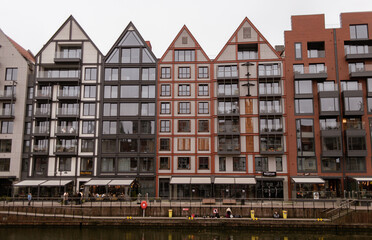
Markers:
{"x": 255, "y": 122}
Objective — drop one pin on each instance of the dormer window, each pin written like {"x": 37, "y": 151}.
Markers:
{"x": 247, "y": 51}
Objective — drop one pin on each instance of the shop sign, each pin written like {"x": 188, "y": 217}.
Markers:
{"x": 269, "y": 174}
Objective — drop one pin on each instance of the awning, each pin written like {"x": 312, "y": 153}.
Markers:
{"x": 98, "y": 182}
{"x": 201, "y": 180}
{"x": 315, "y": 180}
{"x": 363, "y": 179}
{"x": 55, "y": 183}
{"x": 221, "y": 180}
{"x": 121, "y": 182}
{"x": 250, "y": 180}
{"x": 29, "y": 183}
{"x": 180, "y": 180}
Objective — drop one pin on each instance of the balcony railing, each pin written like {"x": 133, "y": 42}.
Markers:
{"x": 273, "y": 90}
{"x": 327, "y": 87}
{"x": 315, "y": 53}
{"x": 271, "y": 149}
{"x": 7, "y": 113}
{"x": 7, "y": 94}
{"x": 67, "y": 130}
{"x": 228, "y": 129}
{"x": 59, "y": 74}
{"x": 68, "y": 112}
{"x": 228, "y": 148}
{"x": 265, "y": 129}
{"x": 40, "y": 149}
{"x": 311, "y": 72}
{"x": 360, "y": 70}
{"x": 65, "y": 149}
{"x": 265, "y": 72}
{"x": 324, "y": 126}
{"x": 266, "y": 110}
{"x": 71, "y": 93}
{"x": 41, "y": 130}
{"x": 355, "y": 52}
{"x": 354, "y": 126}
{"x": 68, "y": 54}
{"x": 44, "y": 94}
{"x": 42, "y": 111}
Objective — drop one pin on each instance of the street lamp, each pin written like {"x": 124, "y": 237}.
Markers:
{"x": 248, "y": 84}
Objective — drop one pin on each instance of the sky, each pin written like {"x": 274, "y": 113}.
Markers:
{"x": 31, "y": 23}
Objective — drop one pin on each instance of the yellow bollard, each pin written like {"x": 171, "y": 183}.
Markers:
{"x": 252, "y": 214}
{"x": 170, "y": 213}
{"x": 285, "y": 214}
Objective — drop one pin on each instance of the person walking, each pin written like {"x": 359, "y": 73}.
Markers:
{"x": 29, "y": 198}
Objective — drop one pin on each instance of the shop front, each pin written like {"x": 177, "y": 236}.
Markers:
{"x": 236, "y": 188}
{"x": 359, "y": 187}
{"x": 308, "y": 187}
{"x": 191, "y": 187}
{"x": 109, "y": 189}
{"x": 271, "y": 188}
{"x": 43, "y": 188}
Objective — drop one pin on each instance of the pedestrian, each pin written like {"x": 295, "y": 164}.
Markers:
{"x": 216, "y": 214}
{"x": 29, "y": 198}
{"x": 276, "y": 215}
{"x": 228, "y": 213}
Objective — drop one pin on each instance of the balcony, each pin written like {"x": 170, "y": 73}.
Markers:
{"x": 229, "y": 130}
{"x": 7, "y": 95}
{"x": 50, "y": 76}
{"x": 360, "y": 70}
{"x": 330, "y": 129}
{"x": 68, "y": 113}
{"x": 271, "y": 130}
{"x": 316, "y": 72}
{"x": 269, "y": 71}
{"x": 277, "y": 110}
{"x": 6, "y": 114}
{"x": 41, "y": 131}
{"x": 68, "y": 56}
{"x": 229, "y": 145}
{"x": 271, "y": 150}
{"x": 228, "y": 91}
{"x": 358, "y": 52}
{"x": 67, "y": 131}
{"x": 43, "y": 95}
{"x": 42, "y": 112}
{"x": 66, "y": 149}
{"x": 228, "y": 109}
{"x": 355, "y": 130}
{"x": 71, "y": 94}
{"x": 270, "y": 90}
{"x": 40, "y": 150}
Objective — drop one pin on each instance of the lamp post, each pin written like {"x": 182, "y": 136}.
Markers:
{"x": 248, "y": 84}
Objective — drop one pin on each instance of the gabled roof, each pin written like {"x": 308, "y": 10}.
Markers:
{"x": 246, "y": 20}
{"x": 69, "y": 19}
{"x": 130, "y": 26}
{"x": 26, "y": 54}
{"x": 197, "y": 45}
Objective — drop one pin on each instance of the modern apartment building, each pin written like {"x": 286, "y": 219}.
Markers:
{"x": 185, "y": 124}
{"x": 62, "y": 114}
{"x": 329, "y": 76}
{"x": 250, "y": 154}
{"x": 16, "y": 66}
{"x": 127, "y": 129}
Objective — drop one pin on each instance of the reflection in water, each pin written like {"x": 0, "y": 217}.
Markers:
{"x": 130, "y": 233}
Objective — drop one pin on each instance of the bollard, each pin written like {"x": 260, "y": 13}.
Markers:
{"x": 252, "y": 214}
{"x": 170, "y": 213}
{"x": 285, "y": 214}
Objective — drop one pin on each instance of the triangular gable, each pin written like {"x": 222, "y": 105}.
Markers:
{"x": 180, "y": 42}
{"x": 131, "y": 37}
{"x": 18, "y": 48}
{"x": 245, "y": 33}
{"x": 68, "y": 31}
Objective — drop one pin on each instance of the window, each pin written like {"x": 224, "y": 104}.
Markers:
{"x": 353, "y": 104}
{"x": 183, "y": 163}
{"x": 90, "y": 74}
{"x": 8, "y": 109}
{"x": 30, "y": 93}
{"x": 147, "y": 145}
{"x": 268, "y": 70}
{"x": 108, "y": 145}
{"x": 7, "y": 127}
{"x": 203, "y": 90}
{"x": 110, "y": 92}
{"x": 147, "y": 127}
{"x": 261, "y": 164}
{"x": 304, "y": 106}
{"x": 327, "y": 86}
{"x": 27, "y": 128}
{"x": 317, "y": 68}
{"x": 239, "y": 164}
{"x": 146, "y": 164}
{"x": 184, "y": 90}
{"x": 11, "y": 74}
{"x": 164, "y": 126}
{"x": 227, "y": 71}
{"x": 331, "y": 164}
{"x": 203, "y": 108}
{"x": 64, "y": 164}
{"x": 89, "y": 91}
{"x": 315, "y": 50}
{"x": 109, "y": 127}
{"x": 128, "y": 145}
{"x": 305, "y": 137}
{"x": 87, "y": 145}
{"x": 228, "y": 88}
{"x": 5, "y": 145}
{"x": 147, "y": 109}
{"x": 356, "y": 143}
{"x": 89, "y": 109}
{"x": 111, "y": 74}
{"x": 4, "y": 164}
{"x": 271, "y": 125}
{"x": 270, "y": 106}
{"x": 148, "y": 91}
{"x": 164, "y": 144}
{"x": 110, "y": 109}
{"x": 357, "y": 48}
{"x": 298, "y": 50}
{"x": 127, "y": 164}
{"x": 165, "y": 90}
{"x": 10, "y": 91}
{"x": 329, "y": 104}
{"x": 279, "y": 164}
{"x": 350, "y": 86}
{"x": 184, "y": 72}
{"x": 184, "y": 144}
{"x": 86, "y": 166}
{"x": 88, "y": 127}
{"x": 128, "y": 127}
{"x": 26, "y": 146}
{"x": 107, "y": 164}
{"x": 69, "y": 52}
{"x": 247, "y": 51}
{"x": 66, "y": 145}
{"x": 228, "y": 107}
{"x": 130, "y": 55}
{"x": 164, "y": 163}
{"x": 303, "y": 87}
{"x": 148, "y": 74}
{"x": 184, "y": 55}
{"x": 298, "y": 68}
{"x": 129, "y": 74}
{"x": 222, "y": 164}
{"x": 203, "y": 126}
{"x": 129, "y": 91}
{"x": 184, "y": 40}
{"x": 184, "y": 108}
{"x": 203, "y": 163}
{"x": 28, "y": 110}
{"x": 306, "y": 164}
{"x": 356, "y": 67}
{"x": 203, "y": 72}
{"x": 228, "y": 125}
{"x": 40, "y": 167}
{"x": 165, "y": 108}
{"x": 128, "y": 109}
{"x": 331, "y": 143}
{"x": 165, "y": 72}
{"x": 184, "y": 126}
{"x": 355, "y": 164}
{"x": 359, "y": 31}
{"x": 229, "y": 144}
{"x": 203, "y": 144}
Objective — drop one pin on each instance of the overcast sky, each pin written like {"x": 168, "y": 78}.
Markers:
{"x": 31, "y": 23}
